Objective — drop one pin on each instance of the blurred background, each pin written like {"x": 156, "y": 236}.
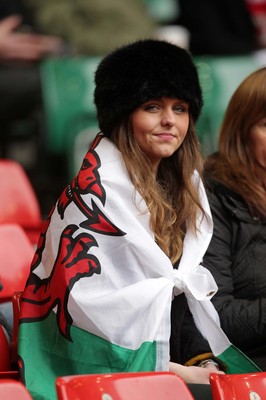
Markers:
{"x": 50, "y": 49}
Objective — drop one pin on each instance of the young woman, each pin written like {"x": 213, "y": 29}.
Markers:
{"x": 237, "y": 193}
{"x": 100, "y": 294}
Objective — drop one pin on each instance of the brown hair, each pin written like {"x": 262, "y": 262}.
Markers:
{"x": 234, "y": 165}
{"x": 171, "y": 197}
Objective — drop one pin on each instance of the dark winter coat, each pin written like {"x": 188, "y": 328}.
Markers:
{"x": 186, "y": 341}
{"x": 237, "y": 259}
{"x": 218, "y": 27}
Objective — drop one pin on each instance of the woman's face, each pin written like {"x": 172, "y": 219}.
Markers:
{"x": 160, "y": 127}
{"x": 258, "y": 142}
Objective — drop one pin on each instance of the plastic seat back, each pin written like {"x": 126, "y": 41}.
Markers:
{"x": 219, "y": 78}
{"x": 5, "y": 351}
{"x": 251, "y": 386}
{"x": 16, "y": 302}
{"x": 18, "y": 201}
{"x": 13, "y": 390}
{"x": 68, "y": 86}
{"x": 16, "y": 254}
{"x": 6, "y": 366}
{"x": 162, "y": 11}
{"x": 123, "y": 386}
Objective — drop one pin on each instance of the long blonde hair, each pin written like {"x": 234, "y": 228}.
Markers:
{"x": 171, "y": 196}
{"x": 235, "y": 165}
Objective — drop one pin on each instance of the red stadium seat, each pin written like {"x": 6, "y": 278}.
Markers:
{"x": 16, "y": 302}
{"x": 16, "y": 254}
{"x": 5, "y": 351}
{"x": 6, "y": 370}
{"x": 251, "y": 386}
{"x": 13, "y": 390}
{"x": 18, "y": 201}
{"x": 123, "y": 386}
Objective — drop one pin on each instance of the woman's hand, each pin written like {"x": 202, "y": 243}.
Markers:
{"x": 194, "y": 374}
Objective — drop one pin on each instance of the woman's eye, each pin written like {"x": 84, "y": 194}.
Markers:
{"x": 151, "y": 107}
{"x": 180, "y": 109}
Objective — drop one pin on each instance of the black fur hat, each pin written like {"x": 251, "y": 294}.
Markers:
{"x": 141, "y": 71}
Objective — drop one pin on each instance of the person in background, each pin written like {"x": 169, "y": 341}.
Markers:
{"x": 257, "y": 10}
{"x": 21, "y": 48}
{"x": 220, "y": 27}
{"x": 22, "y": 121}
{"x": 20, "y": 86}
{"x": 93, "y": 28}
{"x": 236, "y": 179}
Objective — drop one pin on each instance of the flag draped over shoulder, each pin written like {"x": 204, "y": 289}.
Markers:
{"x": 98, "y": 298}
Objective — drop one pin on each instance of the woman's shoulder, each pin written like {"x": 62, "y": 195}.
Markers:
{"x": 222, "y": 197}
{"x": 213, "y": 177}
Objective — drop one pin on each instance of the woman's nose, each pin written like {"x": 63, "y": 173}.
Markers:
{"x": 168, "y": 119}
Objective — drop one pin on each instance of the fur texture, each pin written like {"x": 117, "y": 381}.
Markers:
{"x": 140, "y": 71}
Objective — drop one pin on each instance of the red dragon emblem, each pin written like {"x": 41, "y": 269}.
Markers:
{"x": 73, "y": 260}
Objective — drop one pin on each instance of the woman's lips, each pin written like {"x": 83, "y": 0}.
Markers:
{"x": 166, "y": 136}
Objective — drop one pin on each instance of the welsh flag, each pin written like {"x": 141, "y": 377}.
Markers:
{"x": 99, "y": 294}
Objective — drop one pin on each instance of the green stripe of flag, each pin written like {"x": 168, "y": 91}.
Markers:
{"x": 237, "y": 362}
{"x": 47, "y": 354}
